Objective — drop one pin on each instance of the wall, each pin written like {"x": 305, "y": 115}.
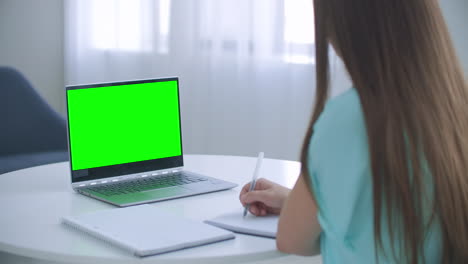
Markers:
{"x": 31, "y": 40}
{"x": 455, "y": 12}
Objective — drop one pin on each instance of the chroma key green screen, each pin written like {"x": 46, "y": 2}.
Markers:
{"x": 123, "y": 123}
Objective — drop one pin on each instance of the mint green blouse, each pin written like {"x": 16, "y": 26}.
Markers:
{"x": 339, "y": 167}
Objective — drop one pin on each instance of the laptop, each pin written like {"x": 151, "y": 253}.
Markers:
{"x": 125, "y": 143}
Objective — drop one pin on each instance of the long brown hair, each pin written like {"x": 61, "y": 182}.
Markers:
{"x": 401, "y": 60}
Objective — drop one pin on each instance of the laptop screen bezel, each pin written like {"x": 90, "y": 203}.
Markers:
{"x": 125, "y": 168}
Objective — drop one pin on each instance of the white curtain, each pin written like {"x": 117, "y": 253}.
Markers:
{"x": 246, "y": 67}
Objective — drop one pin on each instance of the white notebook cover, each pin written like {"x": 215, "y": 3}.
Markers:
{"x": 145, "y": 230}
{"x": 265, "y": 226}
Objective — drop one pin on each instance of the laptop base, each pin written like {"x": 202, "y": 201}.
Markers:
{"x": 161, "y": 194}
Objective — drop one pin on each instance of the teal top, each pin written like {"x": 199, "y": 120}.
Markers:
{"x": 339, "y": 167}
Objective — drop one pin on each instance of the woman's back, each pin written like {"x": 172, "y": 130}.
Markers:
{"x": 413, "y": 100}
{"x": 340, "y": 171}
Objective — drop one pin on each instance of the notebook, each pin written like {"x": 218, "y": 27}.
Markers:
{"x": 265, "y": 226}
{"x": 125, "y": 143}
{"x": 145, "y": 230}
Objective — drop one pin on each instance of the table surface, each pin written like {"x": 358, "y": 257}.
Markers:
{"x": 33, "y": 200}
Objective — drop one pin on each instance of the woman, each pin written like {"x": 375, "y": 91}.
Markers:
{"x": 384, "y": 165}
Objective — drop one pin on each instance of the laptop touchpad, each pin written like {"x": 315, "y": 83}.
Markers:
{"x": 165, "y": 192}
{"x": 169, "y": 191}
{"x": 150, "y": 195}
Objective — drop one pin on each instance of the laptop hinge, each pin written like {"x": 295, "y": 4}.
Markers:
{"x": 97, "y": 182}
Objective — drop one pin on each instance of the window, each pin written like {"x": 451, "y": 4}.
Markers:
{"x": 129, "y": 25}
{"x": 299, "y": 31}
{"x": 282, "y": 30}
{"x": 164, "y": 21}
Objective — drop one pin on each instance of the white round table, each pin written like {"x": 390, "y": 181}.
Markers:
{"x": 33, "y": 200}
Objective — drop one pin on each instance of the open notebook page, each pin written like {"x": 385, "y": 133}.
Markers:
{"x": 260, "y": 226}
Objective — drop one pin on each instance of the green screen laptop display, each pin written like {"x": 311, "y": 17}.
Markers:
{"x": 123, "y": 123}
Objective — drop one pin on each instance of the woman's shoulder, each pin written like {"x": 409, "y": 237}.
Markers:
{"x": 343, "y": 112}
{"x": 340, "y": 134}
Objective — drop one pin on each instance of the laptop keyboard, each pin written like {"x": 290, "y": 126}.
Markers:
{"x": 145, "y": 184}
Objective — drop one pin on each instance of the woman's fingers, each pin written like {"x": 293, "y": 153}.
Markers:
{"x": 243, "y": 191}
{"x": 262, "y": 210}
{"x": 263, "y": 200}
{"x": 245, "y": 188}
{"x": 257, "y": 196}
{"x": 253, "y": 209}
{"x": 262, "y": 184}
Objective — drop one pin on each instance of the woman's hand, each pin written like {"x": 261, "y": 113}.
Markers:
{"x": 267, "y": 197}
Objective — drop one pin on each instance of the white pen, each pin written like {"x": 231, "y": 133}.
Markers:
{"x": 254, "y": 178}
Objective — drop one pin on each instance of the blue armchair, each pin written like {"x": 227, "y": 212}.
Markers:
{"x": 31, "y": 132}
